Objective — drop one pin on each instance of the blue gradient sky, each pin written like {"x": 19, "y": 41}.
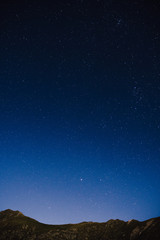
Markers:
{"x": 80, "y": 110}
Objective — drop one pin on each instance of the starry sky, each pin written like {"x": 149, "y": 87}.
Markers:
{"x": 80, "y": 109}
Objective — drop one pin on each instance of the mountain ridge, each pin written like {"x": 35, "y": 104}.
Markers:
{"x": 16, "y": 226}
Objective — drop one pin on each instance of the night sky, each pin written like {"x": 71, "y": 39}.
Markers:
{"x": 80, "y": 109}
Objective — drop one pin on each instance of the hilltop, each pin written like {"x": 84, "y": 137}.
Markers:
{"x": 14, "y": 225}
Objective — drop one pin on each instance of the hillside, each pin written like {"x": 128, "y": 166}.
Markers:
{"x": 14, "y": 225}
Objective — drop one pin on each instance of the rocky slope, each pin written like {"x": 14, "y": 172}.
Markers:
{"x": 14, "y": 225}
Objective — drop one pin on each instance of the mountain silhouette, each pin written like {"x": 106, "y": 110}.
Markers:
{"x": 15, "y": 226}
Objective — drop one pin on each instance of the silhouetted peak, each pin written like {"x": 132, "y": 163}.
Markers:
{"x": 8, "y": 213}
{"x": 14, "y": 225}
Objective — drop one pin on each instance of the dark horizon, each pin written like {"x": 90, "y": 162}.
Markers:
{"x": 19, "y": 212}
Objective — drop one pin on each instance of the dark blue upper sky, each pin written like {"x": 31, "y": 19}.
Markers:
{"x": 80, "y": 109}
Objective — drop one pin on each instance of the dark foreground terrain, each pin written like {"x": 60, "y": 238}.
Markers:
{"x": 14, "y": 225}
